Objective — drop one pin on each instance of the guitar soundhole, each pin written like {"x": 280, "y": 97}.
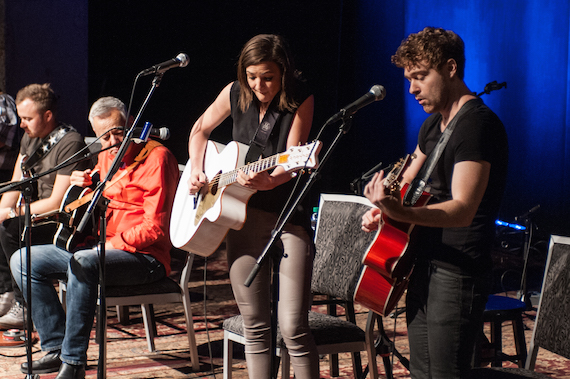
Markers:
{"x": 215, "y": 183}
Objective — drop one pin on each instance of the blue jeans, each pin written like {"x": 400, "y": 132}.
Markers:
{"x": 444, "y": 311}
{"x": 81, "y": 270}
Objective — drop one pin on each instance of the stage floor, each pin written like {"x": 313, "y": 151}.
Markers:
{"x": 129, "y": 357}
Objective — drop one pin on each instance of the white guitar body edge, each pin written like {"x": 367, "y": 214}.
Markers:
{"x": 228, "y": 211}
{"x": 61, "y": 227}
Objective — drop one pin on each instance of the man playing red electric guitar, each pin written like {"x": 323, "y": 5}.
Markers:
{"x": 448, "y": 289}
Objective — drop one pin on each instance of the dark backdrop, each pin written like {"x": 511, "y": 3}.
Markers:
{"x": 89, "y": 49}
{"x": 127, "y": 37}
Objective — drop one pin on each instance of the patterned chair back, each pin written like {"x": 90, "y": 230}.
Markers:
{"x": 340, "y": 244}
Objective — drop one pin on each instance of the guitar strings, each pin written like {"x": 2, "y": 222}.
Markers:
{"x": 229, "y": 177}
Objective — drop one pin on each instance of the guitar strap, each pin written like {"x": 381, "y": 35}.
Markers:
{"x": 417, "y": 186}
{"x": 45, "y": 147}
{"x": 142, "y": 155}
{"x": 261, "y": 136}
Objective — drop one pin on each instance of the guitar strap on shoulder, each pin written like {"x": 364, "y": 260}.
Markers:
{"x": 419, "y": 183}
{"x": 147, "y": 148}
{"x": 45, "y": 147}
{"x": 261, "y": 136}
{"x": 141, "y": 156}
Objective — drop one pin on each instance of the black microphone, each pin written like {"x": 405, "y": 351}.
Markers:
{"x": 528, "y": 214}
{"x": 377, "y": 92}
{"x": 181, "y": 60}
{"x": 163, "y": 132}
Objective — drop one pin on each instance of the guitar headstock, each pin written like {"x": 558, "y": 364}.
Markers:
{"x": 26, "y": 171}
{"x": 393, "y": 179}
{"x": 298, "y": 157}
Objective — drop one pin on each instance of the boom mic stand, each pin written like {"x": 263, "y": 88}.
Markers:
{"x": 383, "y": 345}
{"x": 492, "y": 86}
{"x": 95, "y": 202}
{"x": 270, "y": 248}
{"x": 529, "y": 226}
{"x": 356, "y": 184}
{"x": 27, "y": 193}
{"x": 25, "y": 187}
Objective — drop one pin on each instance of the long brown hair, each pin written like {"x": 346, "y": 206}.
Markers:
{"x": 267, "y": 48}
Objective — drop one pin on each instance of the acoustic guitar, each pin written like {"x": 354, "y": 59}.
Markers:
{"x": 67, "y": 218}
{"x": 200, "y": 222}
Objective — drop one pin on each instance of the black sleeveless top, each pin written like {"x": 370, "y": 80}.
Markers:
{"x": 245, "y": 125}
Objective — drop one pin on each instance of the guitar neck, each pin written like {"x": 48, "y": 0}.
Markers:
{"x": 45, "y": 215}
{"x": 261, "y": 165}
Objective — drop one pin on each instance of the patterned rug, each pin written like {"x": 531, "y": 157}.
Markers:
{"x": 128, "y": 355}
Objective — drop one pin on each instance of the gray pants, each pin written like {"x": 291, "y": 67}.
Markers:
{"x": 244, "y": 247}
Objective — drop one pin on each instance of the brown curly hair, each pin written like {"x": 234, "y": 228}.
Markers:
{"x": 434, "y": 46}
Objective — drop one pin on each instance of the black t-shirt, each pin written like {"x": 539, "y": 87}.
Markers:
{"x": 69, "y": 144}
{"x": 245, "y": 125}
{"x": 479, "y": 135}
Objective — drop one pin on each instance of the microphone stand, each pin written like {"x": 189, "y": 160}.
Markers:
{"x": 529, "y": 226}
{"x": 384, "y": 347}
{"x": 271, "y": 250}
{"x": 27, "y": 193}
{"x": 492, "y": 86}
{"x": 356, "y": 184}
{"x": 102, "y": 314}
{"x": 25, "y": 187}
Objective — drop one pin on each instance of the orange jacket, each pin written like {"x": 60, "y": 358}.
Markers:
{"x": 138, "y": 215}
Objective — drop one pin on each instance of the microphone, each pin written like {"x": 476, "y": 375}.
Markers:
{"x": 181, "y": 60}
{"x": 163, "y": 132}
{"x": 528, "y": 214}
{"x": 377, "y": 92}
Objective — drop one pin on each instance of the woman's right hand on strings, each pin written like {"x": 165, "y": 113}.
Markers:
{"x": 196, "y": 181}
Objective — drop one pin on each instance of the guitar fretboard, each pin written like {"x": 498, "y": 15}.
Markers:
{"x": 230, "y": 177}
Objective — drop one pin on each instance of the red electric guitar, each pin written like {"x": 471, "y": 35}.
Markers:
{"x": 387, "y": 263}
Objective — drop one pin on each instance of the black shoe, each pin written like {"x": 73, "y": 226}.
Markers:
{"x": 68, "y": 371}
{"x": 46, "y": 364}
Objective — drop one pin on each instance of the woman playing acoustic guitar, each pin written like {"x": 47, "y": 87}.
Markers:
{"x": 272, "y": 110}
